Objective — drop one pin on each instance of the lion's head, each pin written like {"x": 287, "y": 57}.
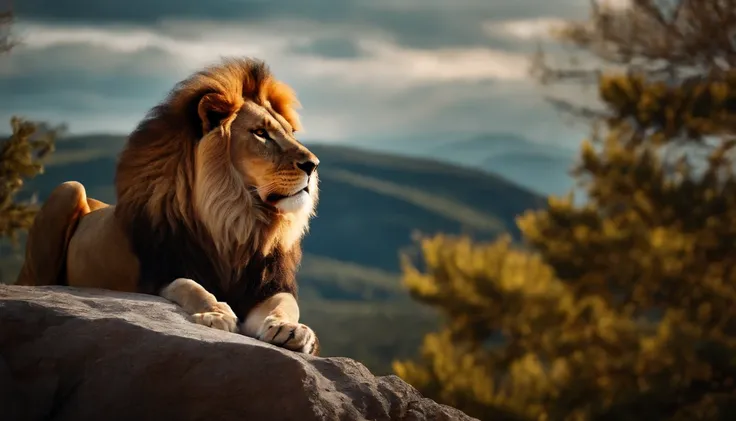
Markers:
{"x": 219, "y": 157}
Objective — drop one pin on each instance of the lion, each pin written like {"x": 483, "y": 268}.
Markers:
{"x": 214, "y": 195}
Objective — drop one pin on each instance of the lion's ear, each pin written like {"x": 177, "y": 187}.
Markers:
{"x": 213, "y": 110}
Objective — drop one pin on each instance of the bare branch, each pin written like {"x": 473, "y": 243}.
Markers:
{"x": 6, "y": 21}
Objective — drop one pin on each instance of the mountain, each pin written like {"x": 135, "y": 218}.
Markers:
{"x": 477, "y": 148}
{"x": 371, "y": 204}
{"x": 547, "y": 174}
{"x": 542, "y": 168}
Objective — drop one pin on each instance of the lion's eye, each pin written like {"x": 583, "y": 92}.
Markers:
{"x": 261, "y": 133}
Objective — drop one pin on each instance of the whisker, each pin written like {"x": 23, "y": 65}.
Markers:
{"x": 263, "y": 189}
{"x": 263, "y": 185}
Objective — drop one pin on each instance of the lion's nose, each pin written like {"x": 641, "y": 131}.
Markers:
{"x": 308, "y": 166}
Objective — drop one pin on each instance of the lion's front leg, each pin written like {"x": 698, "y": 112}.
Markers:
{"x": 276, "y": 321}
{"x": 201, "y": 305}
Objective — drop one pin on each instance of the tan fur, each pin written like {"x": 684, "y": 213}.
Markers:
{"x": 194, "y": 168}
{"x": 116, "y": 268}
{"x": 280, "y": 306}
{"x": 45, "y": 255}
{"x": 203, "y": 306}
{"x": 277, "y": 320}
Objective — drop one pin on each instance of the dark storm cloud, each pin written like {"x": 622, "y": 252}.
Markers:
{"x": 136, "y": 11}
{"x": 422, "y": 24}
{"x": 146, "y": 11}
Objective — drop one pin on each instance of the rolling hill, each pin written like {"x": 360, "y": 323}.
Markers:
{"x": 542, "y": 168}
{"x": 370, "y": 206}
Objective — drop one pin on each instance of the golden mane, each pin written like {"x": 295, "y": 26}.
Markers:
{"x": 157, "y": 171}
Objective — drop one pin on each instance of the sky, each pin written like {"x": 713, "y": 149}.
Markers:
{"x": 363, "y": 69}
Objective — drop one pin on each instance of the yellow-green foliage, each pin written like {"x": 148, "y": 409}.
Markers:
{"x": 21, "y": 157}
{"x": 695, "y": 107}
{"x": 621, "y": 308}
{"x": 625, "y": 308}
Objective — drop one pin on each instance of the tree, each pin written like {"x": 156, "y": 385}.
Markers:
{"x": 624, "y": 307}
{"x": 21, "y": 158}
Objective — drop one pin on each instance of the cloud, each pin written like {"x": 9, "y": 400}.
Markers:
{"x": 526, "y": 29}
{"x": 374, "y": 60}
{"x": 389, "y": 66}
{"x": 615, "y": 4}
{"x": 363, "y": 69}
{"x": 412, "y": 23}
{"x": 215, "y": 41}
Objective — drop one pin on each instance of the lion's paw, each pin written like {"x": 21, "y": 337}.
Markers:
{"x": 293, "y": 336}
{"x": 220, "y": 316}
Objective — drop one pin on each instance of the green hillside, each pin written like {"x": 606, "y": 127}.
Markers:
{"x": 370, "y": 206}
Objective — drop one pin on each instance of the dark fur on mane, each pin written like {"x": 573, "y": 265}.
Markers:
{"x": 175, "y": 253}
{"x": 155, "y": 179}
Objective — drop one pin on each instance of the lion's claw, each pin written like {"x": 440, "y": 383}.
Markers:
{"x": 293, "y": 336}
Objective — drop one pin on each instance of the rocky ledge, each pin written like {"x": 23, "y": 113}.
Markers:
{"x": 75, "y": 354}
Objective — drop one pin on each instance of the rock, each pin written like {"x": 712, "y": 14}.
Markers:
{"x": 77, "y": 354}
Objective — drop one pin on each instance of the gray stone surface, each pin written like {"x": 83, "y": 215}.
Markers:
{"x": 74, "y": 354}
